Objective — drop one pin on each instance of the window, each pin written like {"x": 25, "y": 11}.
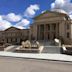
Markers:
{"x": 53, "y": 26}
{"x": 48, "y": 36}
{"x": 68, "y": 35}
{"x": 67, "y": 18}
{"x": 9, "y": 40}
{"x": 13, "y": 39}
{"x": 48, "y": 26}
{"x": 9, "y": 34}
{"x": 54, "y": 35}
{"x": 13, "y": 34}
{"x": 42, "y": 36}
{"x": 41, "y": 32}
{"x": 67, "y": 26}
{"x": 41, "y": 28}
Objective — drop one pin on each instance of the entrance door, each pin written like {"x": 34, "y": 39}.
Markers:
{"x": 48, "y": 36}
{"x": 53, "y": 35}
{"x": 40, "y": 32}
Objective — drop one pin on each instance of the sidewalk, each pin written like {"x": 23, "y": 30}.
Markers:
{"x": 46, "y": 56}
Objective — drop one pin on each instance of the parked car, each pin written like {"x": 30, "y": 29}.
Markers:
{"x": 66, "y": 49}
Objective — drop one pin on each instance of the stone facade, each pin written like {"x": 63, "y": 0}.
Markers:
{"x": 47, "y": 26}
{"x": 51, "y": 25}
{"x": 14, "y": 35}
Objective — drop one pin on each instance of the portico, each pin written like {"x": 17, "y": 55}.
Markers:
{"x": 50, "y": 25}
{"x": 47, "y": 31}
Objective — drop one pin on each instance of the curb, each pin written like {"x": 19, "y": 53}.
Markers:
{"x": 38, "y": 57}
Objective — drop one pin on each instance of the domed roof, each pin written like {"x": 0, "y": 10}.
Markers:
{"x": 60, "y": 11}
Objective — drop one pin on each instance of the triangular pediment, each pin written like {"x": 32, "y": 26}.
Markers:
{"x": 12, "y": 29}
{"x": 48, "y": 14}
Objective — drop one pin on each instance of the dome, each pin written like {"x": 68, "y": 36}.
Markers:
{"x": 60, "y": 11}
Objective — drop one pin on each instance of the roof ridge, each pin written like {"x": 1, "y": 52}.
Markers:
{"x": 50, "y": 12}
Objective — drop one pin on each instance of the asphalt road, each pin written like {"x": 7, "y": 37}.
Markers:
{"x": 9, "y": 64}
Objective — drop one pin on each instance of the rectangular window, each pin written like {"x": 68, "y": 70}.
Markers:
{"x": 9, "y": 40}
{"x": 54, "y": 35}
{"x": 67, "y": 26}
{"x": 13, "y": 34}
{"x": 48, "y": 36}
{"x": 13, "y": 39}
{"x": 41, "y": 28}
{"x": 68, "y": 35}
{"x": 53, "y": 26}
{"x": 42, "y": 31}
{"x": 48, "y": 27}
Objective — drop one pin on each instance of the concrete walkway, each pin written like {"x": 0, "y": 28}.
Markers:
{"x": 49, "y": 53}
{"x": 49, "y": 47}
{"x": 46, "y": 56}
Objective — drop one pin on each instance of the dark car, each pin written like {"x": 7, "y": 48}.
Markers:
{"x": 66, "y": 49}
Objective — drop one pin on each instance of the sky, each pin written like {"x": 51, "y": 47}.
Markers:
{"x": 20, "y": 13}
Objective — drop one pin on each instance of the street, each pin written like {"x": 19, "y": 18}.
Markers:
{"x": 10, "y": 64}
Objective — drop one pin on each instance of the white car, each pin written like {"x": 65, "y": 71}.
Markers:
{"x": 66, "y": 49}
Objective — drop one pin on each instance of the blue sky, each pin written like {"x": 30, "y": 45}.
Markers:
{"x": 19, "y": 6}
{"x": 19, "y": 13}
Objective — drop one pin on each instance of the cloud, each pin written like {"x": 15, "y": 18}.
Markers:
{"x": 4, "y": 24}
{"x": 65, "y": 5}
{"x": 62, "y": 4}
{"x": 57, "y": 4}
{"x": 43, "y": 11}
{"x": 1, "y": 18}
{"x": 23, "y": 23}
{"x": 20, "y": 27}
{"x": 12, "y": 17}
{"x": 31, "y": 10}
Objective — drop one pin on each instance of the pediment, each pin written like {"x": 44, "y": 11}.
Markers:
{"x": 11, "y": 29}
{"x": 49, "y": 14}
